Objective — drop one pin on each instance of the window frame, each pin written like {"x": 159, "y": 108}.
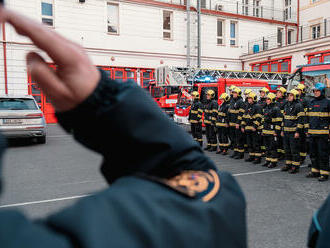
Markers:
{"x": 287, "y": 10}
{"x": 318, "y": 32}
{"x": 46, "y": 16}
{"x": 245, "y": 7}
{"x": 256, "y": 8}
{"x": 235, "y": 39}
{"x": 223, "y": 29}
{"x": 170, "y": 31}
{"x": 118, "y": 18}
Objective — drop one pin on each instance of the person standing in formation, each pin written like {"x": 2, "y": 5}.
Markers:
{"x": 281, "y": 102}
{"x": 195, "y": 118}
{"x": 223, "y": 124}
{"x": 210, "y": 117}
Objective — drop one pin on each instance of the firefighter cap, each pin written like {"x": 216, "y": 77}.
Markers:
{"x": 271, "y": 96}
{"x": 282, "y": 89}
{"x": 264, "y": 89}
{"x": 210, "y": 93}
{"x": 232, "y": 87}
{"x": 195, "y": 94}
{"x": 247, "y": 91}
{"x": 225, "y": 97}
{"x": 301, "y": 87}
{"x": 320, "y": 87}
{"x": 237, "y": 90}
{"x": 295, "y": 93}
{"x": 253, "y": 96}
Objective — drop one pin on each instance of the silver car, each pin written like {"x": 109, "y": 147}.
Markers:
{"x": 20, "y": 117}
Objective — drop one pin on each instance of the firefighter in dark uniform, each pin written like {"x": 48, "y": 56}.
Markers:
{"x": 263, "y": 96}
{"x": 271, "y": 129}
{"x": 246, "y": 95}
{"x": 292, "y": 129}
{"x": 223, "y": 124}
{"x": 195, "y": 118}
{"x": 235, "y": 113}
{"x": 262, "y": 102}
{"x": 210, "y": 117}
{"x": 231, "y": 90}
{"x": 304, "y": 100}
{"x": 318, "y": 116}
{"x": 281, "y": 101}
{"x": 162, "y": 186}
{"x": 250, "y": 124}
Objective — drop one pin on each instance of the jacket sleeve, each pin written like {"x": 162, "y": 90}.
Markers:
{"x": 214, "y": 112}
{"x": 121, "y": 116}
{"x": 277, "y": 120}
{"x": 241, "y": 111}
{"x": 243, "y": 121}
{"x": 200, "y": 112}
{"x": 257, "y": 118}
{"x": 301, "y": 118}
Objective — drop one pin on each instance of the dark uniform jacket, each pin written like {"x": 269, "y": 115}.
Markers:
{"x": 235, "y": 111}
{"x": 304, "y": 100}
{"x": 222, "y": 119}
{"x": 262, "y": 102}
{"x": 293, "y": 117}
{"x": 196, "y": 112}
{"x": 318, "y": 116}
{"x": 252, "y": 117}
{"x": 271, "y": 122}
{"x": 164, "y": 191}
{"x": 281, "y": 102}
{"x": 211, "y": 112}
{"x": 320, "y": 228}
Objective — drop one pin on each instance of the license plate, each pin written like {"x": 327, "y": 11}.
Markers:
{"x": 12, "y": 121}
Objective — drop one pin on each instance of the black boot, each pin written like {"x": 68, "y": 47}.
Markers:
{"x": 207, "y": 148}
{"x": 272, "y": 165}
{"x": 257, "y": 161}
{"x": 240, "y": 156}
{"x": 213, "y": 149}
{"x": 285, "y": 168}
{"x": 225, "y": 152}
{"x": 294, "y": 170}
{"x": 313, "y": 175}
{"x": 266, "y": 164}
{"x": 234, "y": 155}
{"x": 250, "y": 159}
{"x": 201, "y": 143}
{"x": 323, "y": 178}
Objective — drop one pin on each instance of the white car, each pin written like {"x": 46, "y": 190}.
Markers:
{"x": 20, "y": 117}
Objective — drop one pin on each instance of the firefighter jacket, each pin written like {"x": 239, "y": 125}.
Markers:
{"x": 293, "y": 117}
{"x": 196, "y": 112}
{"x": 272, "y": 120}
{"x": 235, "y": 111}
{"x": 252, "y": 117}
{"x": 305, "y": 103}
{"x": 222, "y": 119}
{"x": 318, "y": 116}
{"x": 262, "y": 102}
{"x": 281, "y": 102}
{"x": 211, "y": 112}
{"x": 146, "y": 199}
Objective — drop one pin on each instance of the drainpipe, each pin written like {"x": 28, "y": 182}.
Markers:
{"x": 298, "y": 20}
{"x": 4, "y": 45}
{"x": 199, "y": 33}
{"x": 188, "y": 33}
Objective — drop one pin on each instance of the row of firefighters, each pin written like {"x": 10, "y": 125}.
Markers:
{"x": 287, "y": 126}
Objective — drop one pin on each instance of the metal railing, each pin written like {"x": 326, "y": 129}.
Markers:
{"x": 305, "y": 33}
{"x": 237, "y": 7}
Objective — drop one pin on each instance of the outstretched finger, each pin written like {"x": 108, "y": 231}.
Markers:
{"x": 48, "y": 81}
{"x": 61, "y": 50}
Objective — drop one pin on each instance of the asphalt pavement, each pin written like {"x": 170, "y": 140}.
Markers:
{"x": 43, "y": 179}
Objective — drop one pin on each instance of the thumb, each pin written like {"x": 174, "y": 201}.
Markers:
{"x": 47, "y": 79}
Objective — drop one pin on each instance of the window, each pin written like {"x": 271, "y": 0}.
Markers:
{"x": 113, "y": 18}
{"x": 220, "y": 32}
{"x": 167, "y": 24}
{"x": 290, "y": 32}
{"x": 233, "y": 33}
{"x": 287, "y": 10}
{"x": 245, "y": 7}
{"x": 285, "y": 66}
{"x": 326, "y": 58}
{"x": 316, "y": 31}
{"x": 274, "y": 67}
{"x": 203, "y": 4}
{"x": 264, "y": 68}
{"x": 255, "y": 68}
{"x": 279, "y": 37}
{"x": 256, "y": 8}
{"x": 315, "y": 60}
{"x": 47, "y": 12}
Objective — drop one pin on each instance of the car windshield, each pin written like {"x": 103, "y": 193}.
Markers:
{"x": 17, "y": 104}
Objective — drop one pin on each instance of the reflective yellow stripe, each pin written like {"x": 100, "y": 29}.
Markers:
{"x": 200, "y": 110}
{"x": 214, "y": 119}
{"x": 301, "y": 114}
{"x": 288, "y": 162}
{"x": 232, "y": 111}
{"x": 257, "y": 123}
{"x": 219, "y": 124}
{"x": 199, "y": 116}
{"x": 214, "y": 144}
{"x": 277, "y": 119}
{"x": 222, "y": 114}
{"x": 289, "y": 117}
{"x": 224, "y": 145}
{"x": 249, "y": 128}
{"x": 306, "y": 125}
{"x": 303, "y": 154}
{"x": 247, "y": 116}
{"x": 208, "y": 111}
{"x": 258, "y": 154}
{"x": 193, "y": 121}
{"x": 278, "y": 127}
{"x": 207, "y": 122}
{"x": 274, "y": 160}
{"x": 263, "y": 147}
{"x": 232, "y": 124}
{"x": 268, "y": 131}
{"x": 296, "y": 163}
{"x": 241, "y": 110}
{"x": 268, "y": 159}
{"x": 322, "y": 172}
{"x": 313, "y": 131}
{"x": 318, "y": 114}
{"x": 240, "y": 150}
{"x": 243, "y": 123}
{"x": 214, "y": 111}
{"x": 290, "y": 129}
{"x": 315, "y": 170}
{"x": 257, "y": 116}
{"x": 300, "y": 126}
{"x": 194, "y": 111}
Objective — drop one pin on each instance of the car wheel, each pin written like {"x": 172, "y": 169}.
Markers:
{"x": 41, "y": 140}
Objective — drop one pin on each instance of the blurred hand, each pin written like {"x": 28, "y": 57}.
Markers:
{"x": 282, "y": 134}
{"x": 237, "y": 126}
{"x": 253, "y": 129}
{"x": 226, "y": 125}
{"x": 75, "y": 78}
{"x": 296, "y": 135}
{"x": 242, "y": 129}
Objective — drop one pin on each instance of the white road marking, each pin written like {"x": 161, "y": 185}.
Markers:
{"x": 83, "y": 196}
{"x": 44, "y": 201}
